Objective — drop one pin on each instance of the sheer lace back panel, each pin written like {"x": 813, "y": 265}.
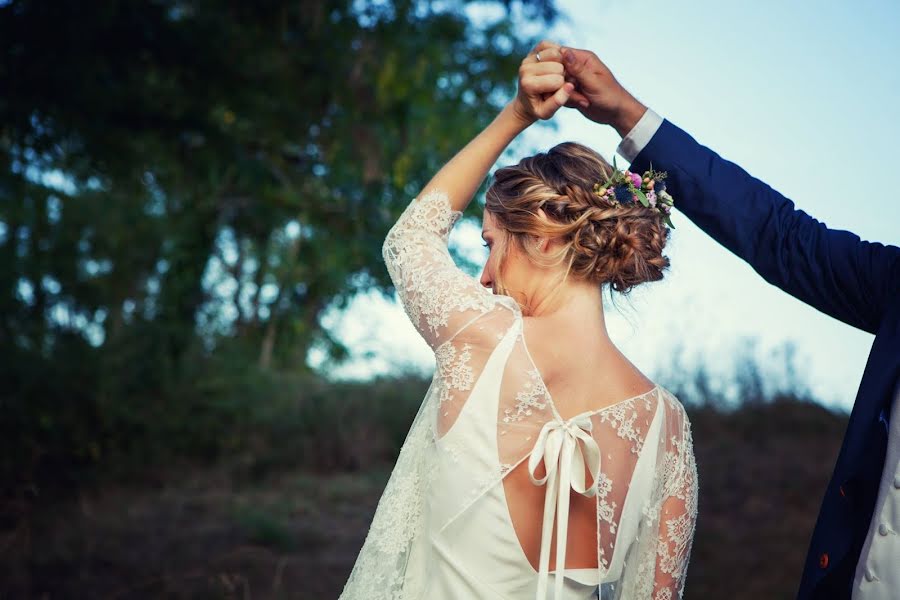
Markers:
{"x": 618, "y": 430}
{"x": 491, "y": 475}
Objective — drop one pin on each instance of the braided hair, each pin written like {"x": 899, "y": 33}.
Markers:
{"x": 619, "y": 246}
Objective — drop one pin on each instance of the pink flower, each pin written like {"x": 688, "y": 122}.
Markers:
{"x": 635, "y": 179}
{"x": 651, "y": 198}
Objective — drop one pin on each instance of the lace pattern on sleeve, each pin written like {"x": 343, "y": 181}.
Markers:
{"x": 439, "y": 298}
{"x": 678, "y": 512}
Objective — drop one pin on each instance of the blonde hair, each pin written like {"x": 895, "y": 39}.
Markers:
{"x": 619, "y": 246}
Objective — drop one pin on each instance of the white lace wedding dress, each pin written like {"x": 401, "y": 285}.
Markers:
{"x": 443, "y": 528}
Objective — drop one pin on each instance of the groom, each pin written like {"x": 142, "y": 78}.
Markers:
{"x": 855, "y": 548}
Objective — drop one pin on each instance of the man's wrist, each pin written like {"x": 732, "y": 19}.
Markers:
{"x": 628, "y": 116}
{"x": 634, "y": 142}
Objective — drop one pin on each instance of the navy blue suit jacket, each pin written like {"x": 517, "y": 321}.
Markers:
{"x": 849, "y": 279}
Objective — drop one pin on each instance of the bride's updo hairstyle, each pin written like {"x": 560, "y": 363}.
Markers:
{"x": 602, "y": 243}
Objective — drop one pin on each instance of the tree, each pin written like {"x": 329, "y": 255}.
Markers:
{"x": 181, "y": 179}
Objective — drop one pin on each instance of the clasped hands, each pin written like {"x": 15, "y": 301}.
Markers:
{"x": 552, "y": 76}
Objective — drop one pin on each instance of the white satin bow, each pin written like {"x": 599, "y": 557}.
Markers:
{"x": 564, "y": 459}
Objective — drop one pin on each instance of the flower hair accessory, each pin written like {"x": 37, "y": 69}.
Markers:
{"x": 624, "y": 188}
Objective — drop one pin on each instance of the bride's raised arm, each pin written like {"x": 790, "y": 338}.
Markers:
{"x": 439, "y": 298}
{"x": 542, "y": 91}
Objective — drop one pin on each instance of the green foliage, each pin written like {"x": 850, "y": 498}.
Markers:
{"x": 330, "y": 427}
{"x": 185, "y": 187}
{"x": 265, "y": 526}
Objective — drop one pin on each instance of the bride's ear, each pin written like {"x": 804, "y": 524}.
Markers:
{"x": 541, "y": 243}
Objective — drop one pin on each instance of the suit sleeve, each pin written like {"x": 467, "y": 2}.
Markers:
{"x": 835, "y": 271}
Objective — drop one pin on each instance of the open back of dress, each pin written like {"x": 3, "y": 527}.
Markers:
{"x": 491, "y": 473}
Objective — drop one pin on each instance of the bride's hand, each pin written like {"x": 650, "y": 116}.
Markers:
{"x": 543, "y": 89}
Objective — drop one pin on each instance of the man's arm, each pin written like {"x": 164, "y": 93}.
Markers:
{"x": 834, "y": 271}
{"x": 852, "y": 280}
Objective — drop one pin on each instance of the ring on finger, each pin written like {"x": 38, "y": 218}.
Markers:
{"x": 538, "y": 56}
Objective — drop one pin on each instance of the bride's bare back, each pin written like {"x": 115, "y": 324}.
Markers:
{"x": 583, "y": 376}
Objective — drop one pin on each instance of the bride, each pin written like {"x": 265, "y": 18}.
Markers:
{"x": 542, "y": 463}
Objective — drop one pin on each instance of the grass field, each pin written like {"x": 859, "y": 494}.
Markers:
{"x": 223, "y": 531}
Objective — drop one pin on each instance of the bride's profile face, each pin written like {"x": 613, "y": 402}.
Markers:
{"x": 519, "y": 274}
{"x": 489, "y": 234}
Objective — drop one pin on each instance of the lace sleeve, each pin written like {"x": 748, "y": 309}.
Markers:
{"x": 438, "y": 297}
{"x": 678, "y": 513}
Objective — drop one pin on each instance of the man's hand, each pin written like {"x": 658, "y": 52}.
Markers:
{"x": 597, "y": 94}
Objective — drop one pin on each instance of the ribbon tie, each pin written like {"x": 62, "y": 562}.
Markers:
{"x": 564, "y": 460}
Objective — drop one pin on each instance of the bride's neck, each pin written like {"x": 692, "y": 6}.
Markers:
{"x": 577, "y": 304}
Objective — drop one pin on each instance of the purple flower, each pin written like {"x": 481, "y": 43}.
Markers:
{"x": 651, "y": 198}
{"x": 635, "y": 179}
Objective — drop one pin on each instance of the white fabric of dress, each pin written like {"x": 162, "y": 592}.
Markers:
{"x": 443, "y": 527}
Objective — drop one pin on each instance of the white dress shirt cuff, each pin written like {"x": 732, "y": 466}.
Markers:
{"x": 632, "y": 144}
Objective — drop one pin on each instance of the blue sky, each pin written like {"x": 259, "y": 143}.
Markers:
{"x": 802, "y": 95}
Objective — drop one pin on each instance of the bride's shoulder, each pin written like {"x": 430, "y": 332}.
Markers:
{"x": 492, "y": 324}
{"x": 672, "y": 404}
